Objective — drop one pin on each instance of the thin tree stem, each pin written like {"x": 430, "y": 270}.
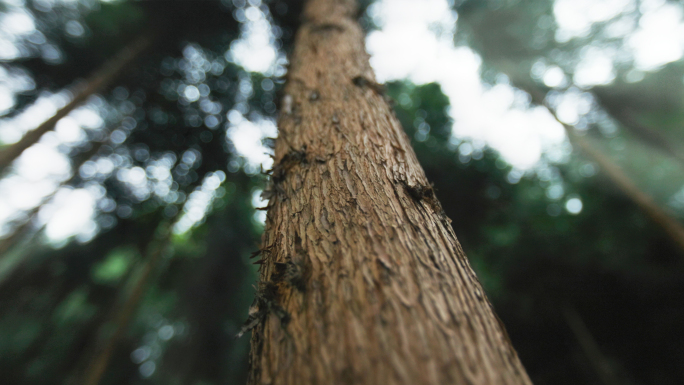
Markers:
{"x": 122, "y": 315}
{"x": 7, "y": 243}
{"x": 590, "y": 347}
{"x": 660, "y": 216}
{"x": 99, "y": 80}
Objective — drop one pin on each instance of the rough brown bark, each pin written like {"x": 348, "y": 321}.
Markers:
{"x": 362, "y": 278}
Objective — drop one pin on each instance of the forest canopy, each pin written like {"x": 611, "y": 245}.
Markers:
{"x": 136, "y": 139}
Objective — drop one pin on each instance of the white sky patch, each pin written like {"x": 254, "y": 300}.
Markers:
{"x": 492, "y": 115}
{"x": 259, "y": 216}
{"x": 554, "y": 77}
{"x": 247, "y": 138}
{"x": 6, "y": 99}
{"x": 135, "y": 179}
{"x": 655, "y": 40}
{"x": 571, "y": 105}
{"x": 42, "y": 168}
{"x": 15, "y": 24}
{"x": 621, "y": 26}
{"x": 42, "y": 161}
{"x": 18, "y": 22}
{"x": 18, "y": 194}
{"x": 11, "y": 130}
{"x": 255, "y": 50}
{"x": 159, "y": 173}
{"x": 659, "y": 39}
{"x": 574, "y": 206}
{"x": 575, "y": 17}
{"x": 199, "y": 202}
{"x": 12, "y": 82}
{"x": 70, "y": 214}
{"x": 595, "y": 68}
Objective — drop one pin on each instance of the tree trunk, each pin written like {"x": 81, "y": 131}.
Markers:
{"x": 362, "y": 278}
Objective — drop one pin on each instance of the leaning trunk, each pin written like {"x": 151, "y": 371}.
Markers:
{"x": 100, "y": 79}
{"x": 362, "y": 278}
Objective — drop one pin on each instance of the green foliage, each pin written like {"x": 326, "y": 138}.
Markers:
{"x": 74, "y": 308}
{"x": 116, "y": 19}
{"x": 113, "y": 267}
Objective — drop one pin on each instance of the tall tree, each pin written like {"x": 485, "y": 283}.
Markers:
{"x": 362, "y": 278}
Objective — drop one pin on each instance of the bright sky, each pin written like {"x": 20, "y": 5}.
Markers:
{"x": 495, "y": 116}
{"x": 39, "y": 171}
{"x": 255, "y": 52}
{"x": 415, "y": 42}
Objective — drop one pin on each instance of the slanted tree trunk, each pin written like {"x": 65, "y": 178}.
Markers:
{"x": 659, "y": 215}
{"x": 362, "y": 278}
{"x": 99, "y": 80}
{"x": 20, "y": 231}
{"x": 121, "y": 317}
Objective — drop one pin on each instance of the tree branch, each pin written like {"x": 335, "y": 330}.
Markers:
{"x": 591, "y": 349}
{"x": 121, "y": 315}
{"x": 660, "y": 216}
{"x": 7, "y": 243}
{"x": 99, "y": 80}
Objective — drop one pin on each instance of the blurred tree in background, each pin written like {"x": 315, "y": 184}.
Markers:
{"x": 126, "y": 228}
